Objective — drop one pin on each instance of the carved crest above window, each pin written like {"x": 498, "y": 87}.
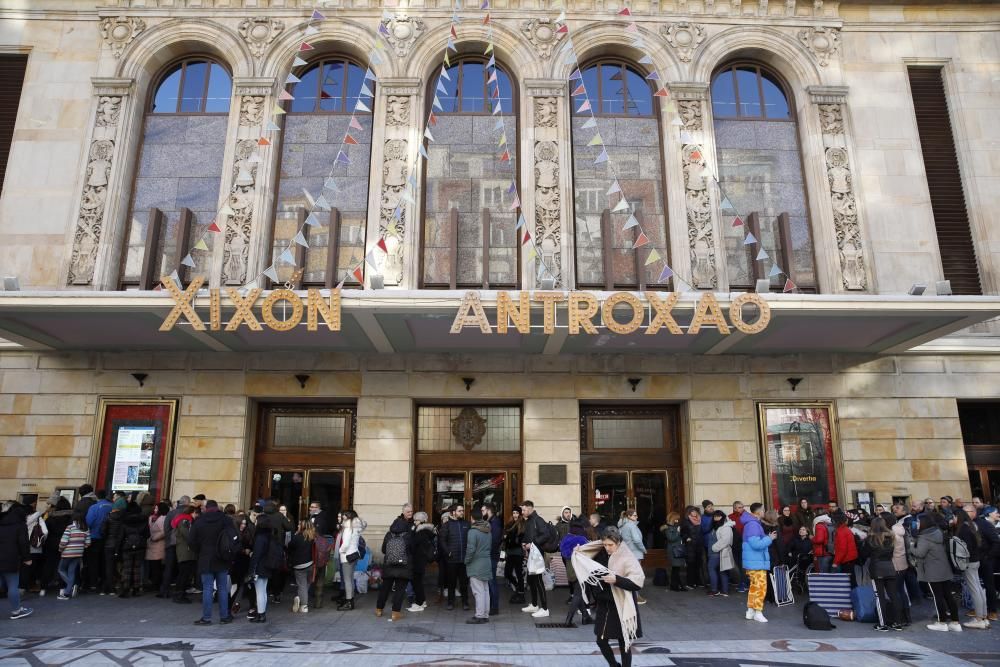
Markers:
{"x": 468, "y": 428}
{"x": 118, "y": 32}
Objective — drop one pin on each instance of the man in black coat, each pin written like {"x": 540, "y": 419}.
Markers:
{"x": 14, "y": 553}
{"x": 319, "y": 519}
{"x": 456, "y": 538}
{"x": 204, "y": 538}
{"x": 496, "y": 537}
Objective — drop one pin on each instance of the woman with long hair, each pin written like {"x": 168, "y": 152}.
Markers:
{"x": 513, "y": 569}
{"x": 349, "y": 555}
{"x": 967, "y": 530}
{"x": 628, "y": 526}
{"x": 720, "y": 557}
{"x": 878, "y": 549}
{"x": 933, "y": 568}
{"x": 611, "y": 576}
{"x": 675, "y": 549}
{"x": 300, "y": 560}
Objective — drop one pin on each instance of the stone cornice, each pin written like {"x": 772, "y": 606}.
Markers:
{"x": 688, "y": 90}
{"x": 545, "y": 87}
{"x": 254, "y": 85}
{"x": 400, "y": 85}
{"x": 112, "y": 86}
{"x": 827, "y": 94}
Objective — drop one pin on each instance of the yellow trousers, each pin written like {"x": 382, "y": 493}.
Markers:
{"x": 758, "y": 589}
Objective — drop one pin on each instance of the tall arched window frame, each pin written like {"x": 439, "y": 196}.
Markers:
{"x": 469, "y": 237}
{"x": 761, "y": 176}
{"x": 627, "y": 115}
{"x": 316, "y": 123}
{"x": 175, "y": 195}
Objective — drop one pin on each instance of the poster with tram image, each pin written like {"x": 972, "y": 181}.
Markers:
{"x": 799, "y": 456}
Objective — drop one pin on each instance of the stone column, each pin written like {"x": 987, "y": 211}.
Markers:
{"x": 97, "y": 236}
{"x": 247, "y": 186}
{"x": 551, "y": 436}
{"x": 703, "y": 241}
{"x": 546, "y": 170}
{"x": 850, "y": 267}
{"x": 394, "y": 148}
{"x": 383, "y": 457}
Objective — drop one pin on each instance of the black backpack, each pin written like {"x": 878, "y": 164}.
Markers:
{"x": 816, "y": 618}
{"x": 133, "y": 541}
{"x": 395, "y": 550}
{"x": 228, "y": 546}
{"x": 362, "y": 547}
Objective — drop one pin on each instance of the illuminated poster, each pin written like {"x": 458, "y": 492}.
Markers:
{"x": 135, "y": 437}
{"x": 133, "y": 458}
{"x": 799, "y": 458}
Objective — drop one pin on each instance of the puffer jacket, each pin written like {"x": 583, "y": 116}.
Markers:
{"x": 351, "y": 533}
{"x": 879, "y": 559}
{"x": 424, "y": 542}
{"x": 182, "y": 529}
{"x": 899, "y": 561}
{"x": 477, "y": 552}
{"x": 14, "y": 549}
{"x": 723, "y": 546}
{"x": 632, "y": 537}
{"x": 399, "y": 528}
{"x": 929, "y": 550}
{"x": 456, "y": 537}
{"x": 755, "y": 544}
{"x": 156, "y": 546}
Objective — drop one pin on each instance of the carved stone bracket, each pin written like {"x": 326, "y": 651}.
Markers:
{"x": 119, "y": 31}
{"x": 542, "y": 35}
{"x": 259, "y": 32}
{"x": 684, "y": 37}
{"x": 90, "y": 222}
{"x": 403, "y": 32}
{"x": 823, "y": 43}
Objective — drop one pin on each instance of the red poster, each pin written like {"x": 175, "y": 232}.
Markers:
{"x": 136, "y": 440}
{"x": 799, "y": 454}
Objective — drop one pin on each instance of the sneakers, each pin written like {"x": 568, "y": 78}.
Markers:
{"x": 413, "y": 608}
{"x": 723, "y": 595}
{"x": 640, "y": 599}
{"x": 759, "y": 617}
{"x": 304, "y": 609}
{"x": 28, "y": 611}
{"x": 881, "y": 628}
{"x": 295, "y": 604}
{"x": 954, "y": 627}
{"x": 41, "y": 593}
{"x": 62, "y": 596}
{"x": 531, "y": 609}
{"x": 938, "y": 627}
{"x": 541, "y": 613}
{"x": 977, "y": 624}
{"x": 750, "y": 613}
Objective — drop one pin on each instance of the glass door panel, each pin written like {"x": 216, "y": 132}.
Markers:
{"x": 610, "y": 495}
{"x": 993, "y": 482}
{"x": 286, "y": 486}
{"x": 488, "y": 487}
{"x": 447, "y": 489}
{"x": 327, "y": 488}
{"x": 649, "y": 491}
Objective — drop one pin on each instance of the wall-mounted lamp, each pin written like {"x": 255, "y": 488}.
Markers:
{"x": 376, "y": 281}
{"x": 794, "y": 382}
{"x": 140, "y": 378}
{"x": 943, "y": 288}
{"x": 762, "y": 286}
{"x": 916, "y": 289}
{"x": 468, "y": 383}
{"x": 634, "y": 382}
{"x": 302, "y": 380}
{"x": 548, "y": 283}
{"x": 11, "y": 284}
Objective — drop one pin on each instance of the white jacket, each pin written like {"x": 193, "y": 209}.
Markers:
{"x": 349, "y": 541}
{"x": 632, "y": 537}
{"x": 724, "y": 546}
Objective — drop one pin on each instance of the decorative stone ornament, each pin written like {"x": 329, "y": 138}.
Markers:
{"x": 823, "y": 43}
{"x": 403, "y": 32}
{"x": 118, "y": 32}
{"x": 701, "y": 231}
{"x": 542, "y": 35}
{"x": 259, "y": 32}
{"x": 468, "y": 428}
{"x": 684, "y": 37}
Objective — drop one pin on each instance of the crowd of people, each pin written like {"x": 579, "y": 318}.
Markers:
{"x": 130, "y": 545}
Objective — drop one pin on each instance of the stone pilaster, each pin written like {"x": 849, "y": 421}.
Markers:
{"x": 851, "y": 268}
{"x": 96, "y": 240}
{"x": 702, "y": 228}
{"x": 546, "y": 173}
{"x": 244, "y": 249}
{"x": 394, "y": 145}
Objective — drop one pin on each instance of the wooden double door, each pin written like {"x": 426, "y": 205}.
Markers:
{"x": 440, "y": 489}
{"x": 296, "y": 487}
{"x": 650, "y": 492}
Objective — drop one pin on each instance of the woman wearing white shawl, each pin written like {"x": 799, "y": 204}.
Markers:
{"x": 611, "y": 575}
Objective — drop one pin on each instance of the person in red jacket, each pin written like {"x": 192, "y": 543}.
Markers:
{"x": 821, "y": 540}
{"x": 845, "y": 551}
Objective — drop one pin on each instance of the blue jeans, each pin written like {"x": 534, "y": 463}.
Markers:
{"x": 68, "y": 569}
{"x": 823, "y": 564}
{"x": 221, "y": 581}
{"x": 494, "y": 596}
{"x": 720, "y": 582}
{"x": 260, "y": 586}
{"x": 13, "y": 581}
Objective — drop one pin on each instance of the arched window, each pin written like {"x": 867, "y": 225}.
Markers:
{"x": 469, "y": 236}
{"x": 176, "y": 192}
{"x": 760, "y": 174}
{"x": 320, "y": 122}
{"x": 623, "y": 111}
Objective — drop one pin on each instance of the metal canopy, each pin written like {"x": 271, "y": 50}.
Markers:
{"x": 390, "y": 321}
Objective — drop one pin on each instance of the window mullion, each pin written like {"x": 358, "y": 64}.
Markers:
{"x": 203, "y": 104}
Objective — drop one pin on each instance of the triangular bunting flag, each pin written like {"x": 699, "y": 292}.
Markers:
{"x": 342, "y": 158}
{"x": 370, "y": 258}
{"x": 398, "y": 213}
{"x": 505, "y": 157}
{"x": 383, "y": 29}
{"x": 300, "y": 238}
{"x": 444, "y": 73}
{"x": 761, "y": 255}
{"x": 310, "y": 31}
{"x": 432, "y": 120}
{"x": 201, "y": 245}
{"x": 665, "y": 274}
{"x": 737, "y": 221}
{"x": 596, "y": 141}
{"x": 696, "y": 155}
{"x": 348, "y": 139}
{"x": 527, "y": 237}
{"x": 662, "y": 92}
{"x": 323, "y": 95}
{"x": 408, "y": 197}
{"x": 316, "y": 16}
{"x": 575, "y": 75}
{"x": 562, "y": 30}
{"x": 272, "y": 127}
{"x": 493, "y": 77}
{"x": 499, "y": 124}
{"x": 263, "y": 142}
{"x": 306, "y": 46}
{"x": 489, "y": 48}
{"x": 585, "y": 106}
{"x": 614, "y": 188}
{"x": 360, "y": 106}
{"x": 437, "y": 103}
{"x": 603, "y": 157}
{"x": 590, "y": 122}
{"x": 427, "y": 133}
{"x": 291, "y": 79}
{"x": 423, "y": 152}
{"x": 532, "y": 254}
{"x": 486, "y": 19}
{"x": 277, "y": 110}
{"x": 412, "y": 181}
{"x": 359, "y": 274}
{"x": 492, "y": 62}
{"x": 775, "y": 271}
{"x": 503, "y": 140}
{"x": 632, "y": 27}
{"x": 641, "y": 241}
{"x": 726, "y": 204}
{"x": 789, "y": 286}
{"x": 653, "y": 256}
{"x": 365, "y": 90}
{"x": 355, "y": 124}
{"x": 750, "y": 239}
{"x": 441, "y": 88}
{"x": 330, "y": 183}
{"x": 381, "y": 245}
{"x": 521, "y": 222}
{"x": 271, "y": 273}
{"x": 570, "y": 58}
{"x": 580, "y": 90}
{"x": 214, "y": 227}
{"x": 516, "y": 204}
{"x": 287, "y": 257}
{"x": 645, "y": 60}
{"x": 226, "y": 210}
{"x": 512, "y": 189}
{"x": 653, "y": 76}
{"x": 639, "y": 43}
{"x": 375, "y": 58}
{"x": 497, "y": 109}
{"x": 298, "y": 62}
{"x": 622, "y": 205}
{"x": 625, "y": 12}
{"x": 322, "y": 204}
{"x": 447, "y": 60}
{"x": 454, "y": 33}
{"x": 188, "y": 261}
{"x": 312, "y": 220}
{"x": 369, "y": 75}
{"x": 632, "y": 222}
{"x": 677, "y": 121}
{"x": 561, "y": 18}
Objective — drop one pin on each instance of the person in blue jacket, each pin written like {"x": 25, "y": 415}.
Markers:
{"x": 756, "y": 560}
{"x": 94, "y": 555}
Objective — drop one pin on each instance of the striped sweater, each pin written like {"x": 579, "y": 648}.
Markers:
{"x": 74, "y": 541}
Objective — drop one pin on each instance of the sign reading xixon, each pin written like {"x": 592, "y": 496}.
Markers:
{"x": 512, "y": 311}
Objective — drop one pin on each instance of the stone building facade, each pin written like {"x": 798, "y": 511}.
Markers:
{"x": 904, "y": 383}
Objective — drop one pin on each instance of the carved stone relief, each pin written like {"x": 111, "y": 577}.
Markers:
{"x": 403, "y": 31}
{"x": 397, "y": 111}
{"x": 259, "y": 32}
{"x": 845, "y": 220}
{"x": 118, "y": 32}
{"x": 91, "y": 216}
{"x": 548, "y": 202}
{"x": 394, "y": 174}
{"x": 239, "y": 226}
{"x": 542, "y": 35}
{"x": 823, "y": 43}
{"x": 701, "y": 233}
{"x": 831, "y": 119}
{"x": 684, "y": 37}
